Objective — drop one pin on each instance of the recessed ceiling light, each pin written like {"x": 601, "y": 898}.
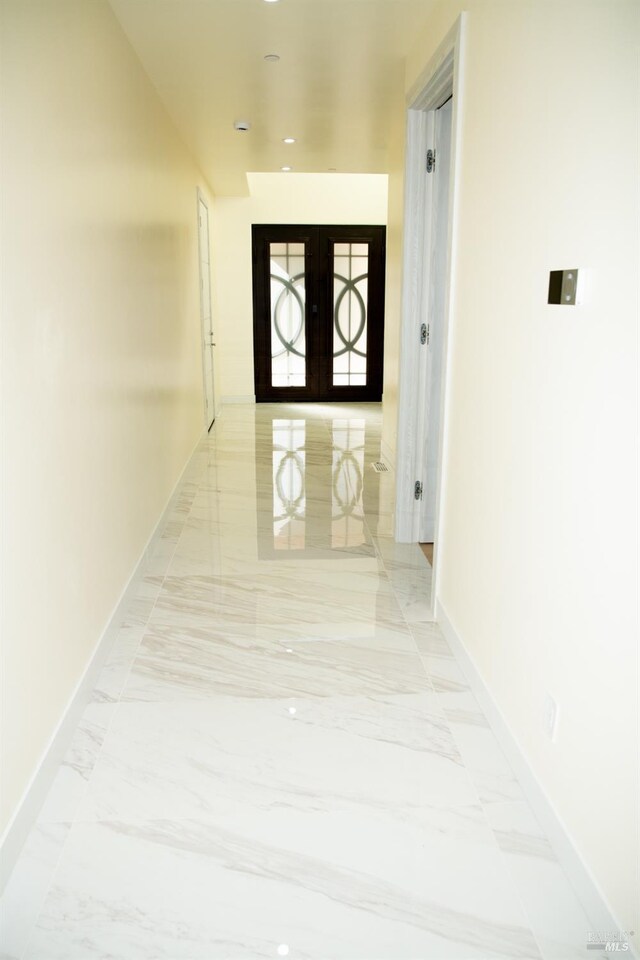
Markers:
{"x": 271, "y": 57}
{"x": 285, "y": 169}
{"x": 270, "y": 1}
{"x": 289, "y": 140}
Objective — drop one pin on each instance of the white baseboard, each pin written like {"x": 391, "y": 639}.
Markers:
{"x": 26, "y": 814}
{"x": 587, "y": 889}
{"x": 240, "y": 398}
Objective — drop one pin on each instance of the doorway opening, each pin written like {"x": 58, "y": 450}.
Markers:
{"x": 430, "y": 196}
{"x": 318, "y": 312}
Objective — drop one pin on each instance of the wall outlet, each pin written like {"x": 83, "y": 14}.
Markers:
{"x": 550, "y": 717}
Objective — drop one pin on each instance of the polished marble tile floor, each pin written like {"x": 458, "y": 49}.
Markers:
{"x": 281, "y": 756}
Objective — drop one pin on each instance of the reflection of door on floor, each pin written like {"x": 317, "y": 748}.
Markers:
{"x": 318, "y": 502}
{"x": 318, "y": 301}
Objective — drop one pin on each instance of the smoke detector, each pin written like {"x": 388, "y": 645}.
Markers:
{"x": 242, "y": 126}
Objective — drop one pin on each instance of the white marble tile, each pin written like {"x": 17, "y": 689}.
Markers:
{"x": 149, "y": 586}
{"x": 382, "y": 526}
{"x": 246, "y": 520}
{"x": 72, "y": 777}
{"x": 485, "y": 761}
{"x": 157, "y": 563}
{"x": 413, "y": 593}
{"x": 326, "y": 887}
{"x": 200, "y": 663}
{"x": 446, "y": 675}
{"x": 282, "y": 749}
{"x": 431, "y": 641}
{"x": 458, "y": 703}
{"x": 558, "y": 920}
{"x": 27, "y": 887}
{"x": 208, "y": 556}
{"x": 113, "y": 675}
{"x": 517, "y": 830}
{"x": 225, "y": 541}
{"x": 394, "y": 754}
{"x": 110, "y": 682}
{"x": 376, "y": 634}
{"x": 299, "y": 581}
{"x": 139, "y": 611}
{"x": 262, "y": 601}
{"x": 400, "y": 556}
{"x": 440, "y": 662}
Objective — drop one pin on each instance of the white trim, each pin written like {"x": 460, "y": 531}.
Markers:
{"x": 409, "y": 381}
{"x": 441, "y": 77}
{"x": 241, "y": 398}
{"x": 35, "y": 793}
{"x": 433, "y": 84}
{"x": 200, "y": 198}
{"x": 588, "y": 891}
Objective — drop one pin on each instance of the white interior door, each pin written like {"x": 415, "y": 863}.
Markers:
{"x": 205, "y": 312}
{"x": 435, "y": 312}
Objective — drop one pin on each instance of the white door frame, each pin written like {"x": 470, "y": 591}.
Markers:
{"x": 209, "y": 415}
{"x": 441, "y": 78}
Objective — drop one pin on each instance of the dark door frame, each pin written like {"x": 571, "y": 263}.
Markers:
{"x": 319, "y": 240}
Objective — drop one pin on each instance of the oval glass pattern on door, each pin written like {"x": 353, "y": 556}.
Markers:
{"x": 287, "y": 286}
{"x": 350, "y": 301}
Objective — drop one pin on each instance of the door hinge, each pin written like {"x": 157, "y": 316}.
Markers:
{"x": 417, "y": 490}
{"x": 425, "y": 334}
{"x": 431, "y": 161}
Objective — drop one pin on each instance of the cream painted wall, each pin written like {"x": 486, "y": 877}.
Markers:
{"x": 102, "y": 376}
{"x": 274, "y": 198}
{"x": 539, "y": 566}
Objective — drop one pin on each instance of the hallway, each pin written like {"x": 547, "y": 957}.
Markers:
{"x": 281, "y": 756}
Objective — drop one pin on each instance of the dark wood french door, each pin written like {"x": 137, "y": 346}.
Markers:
{"x": 318, "y": 312}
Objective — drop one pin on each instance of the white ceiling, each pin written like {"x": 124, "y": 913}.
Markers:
{"x": 340, "y": 75}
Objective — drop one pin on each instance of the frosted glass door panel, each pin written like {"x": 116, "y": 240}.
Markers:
{"x": 287, "y": 287}
{"x": 350, "y": 309}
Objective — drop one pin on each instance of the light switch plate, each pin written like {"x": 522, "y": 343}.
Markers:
{"x": 564, "y": 287}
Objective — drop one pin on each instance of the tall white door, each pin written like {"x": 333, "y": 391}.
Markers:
{"x": 205, "y": 312}
{"x": 435, "y": 317}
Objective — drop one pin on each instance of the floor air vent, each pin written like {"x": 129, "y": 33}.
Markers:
{"x": 380, "y": 467}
